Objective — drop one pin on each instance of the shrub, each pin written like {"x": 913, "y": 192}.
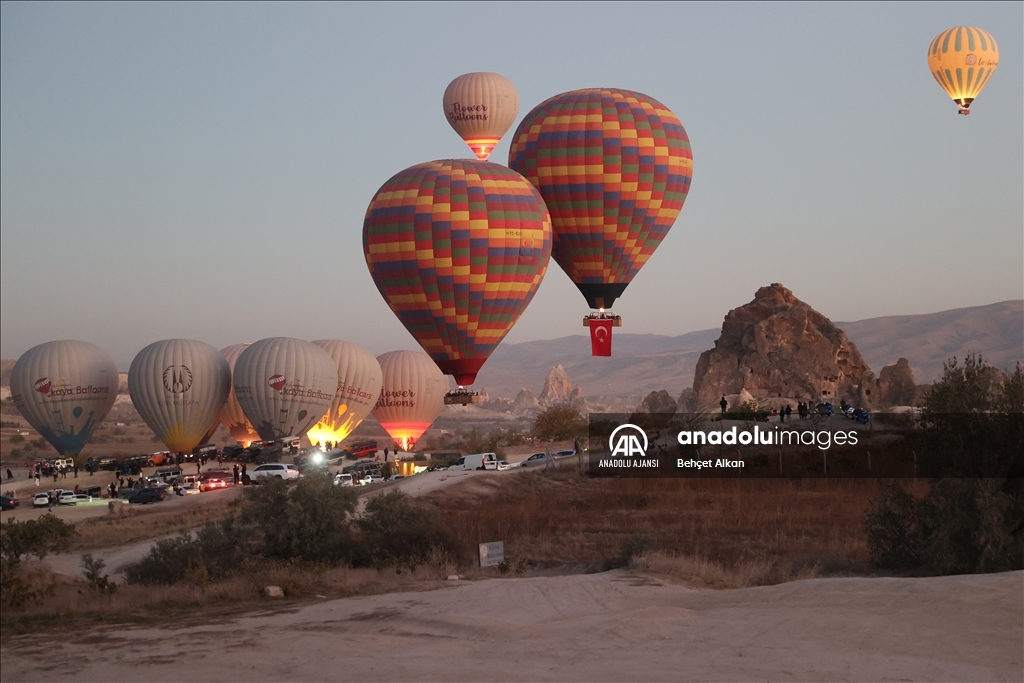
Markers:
{"x": 559, "y": 423}
{"x": 17, "y": 438}
{"x": 398, "y": 533}
{"x": 38, "y": 537}
{"x": 93, "y": 569}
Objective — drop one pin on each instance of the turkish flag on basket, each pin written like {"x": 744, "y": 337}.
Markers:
{"x": 601, "y": 336}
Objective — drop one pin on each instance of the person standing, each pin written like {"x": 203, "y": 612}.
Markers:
{"x": 234, "y": 472}
{"x": 789, "y": 412}
{"x": 9, "y": 474}
{"x": 724, "y": 404}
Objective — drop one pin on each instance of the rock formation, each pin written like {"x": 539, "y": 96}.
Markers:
{"x": 896, "y": 385}
{"x": 657, "y": 402}
{"x": 557, "y": 387}
{"x": 687, "y": 401}
{"x": 577, "y": 401}
{"x": 525, "y": 403}
{"x": 777, "y": 346}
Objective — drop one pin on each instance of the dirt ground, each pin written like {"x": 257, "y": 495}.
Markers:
{"x": 595, "y": 627}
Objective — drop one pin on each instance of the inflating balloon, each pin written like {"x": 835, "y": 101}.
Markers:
{"x": 962, "y": 60}
{"x": 231, "y": 415}
{"x": 412, "y": 395}
{"x": 359, "y": 383}
{"x": 65, "y": 389}
{"x": 481, "y": 107}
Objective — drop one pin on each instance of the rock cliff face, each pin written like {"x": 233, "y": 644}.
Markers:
{"x": 658, "y": 402}
{"x": 896, "y": 385}
{"x": 557, "y": 387}
{"x": 778, "y": 346}
{"x": 525, "y": 403}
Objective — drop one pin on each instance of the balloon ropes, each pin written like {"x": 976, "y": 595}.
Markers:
{"x": 614, "y": 168}
{"x": 457, "y": 248}
{"x": 65, "y": 389}
{"x": 962, "y": 60}
{"x": 481, "y": 107}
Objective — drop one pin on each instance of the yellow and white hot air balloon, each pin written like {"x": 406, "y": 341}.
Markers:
{"x": 359, "y": 384}
{"x": 962, "y": 59}
{"x": 481, "y": 107}
{"x": 231, "y": 415}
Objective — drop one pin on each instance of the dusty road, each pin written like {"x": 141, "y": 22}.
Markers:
{"x": 600, "y": 627}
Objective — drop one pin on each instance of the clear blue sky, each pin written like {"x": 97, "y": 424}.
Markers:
{"x": 202, "y": 170}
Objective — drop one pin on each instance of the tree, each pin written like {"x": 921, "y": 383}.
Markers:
{"x": 559, "y": 423}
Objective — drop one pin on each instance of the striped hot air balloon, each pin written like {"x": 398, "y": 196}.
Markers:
{"x": 614, "y": 168}
{"x": 962, "y": 59}
{"x": 457, "y": 248}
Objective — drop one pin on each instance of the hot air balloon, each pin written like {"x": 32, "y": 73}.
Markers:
{"x": 962, "y": 59}
{"x": 412, "y": 395}
{"x": 457, "y": 248}
{"x": 231, "y": 415}
{"x": 284, "y": 385}
{"x": 359, "y": 383}
{"x": 481, "y": 107}
{"x": 65, "y": 389}
{"x": 614, "y": 168}
{"x": 179, "y": 386}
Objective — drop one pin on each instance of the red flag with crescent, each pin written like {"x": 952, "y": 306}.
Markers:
{"x": 601, "y": 336}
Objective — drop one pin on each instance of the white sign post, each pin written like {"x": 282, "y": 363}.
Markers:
{"x": 492, "y": 554}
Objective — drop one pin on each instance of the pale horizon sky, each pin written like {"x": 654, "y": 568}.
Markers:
{"x": 202, "y": 170}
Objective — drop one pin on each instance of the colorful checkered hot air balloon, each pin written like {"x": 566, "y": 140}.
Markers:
{"x": 614, "y": 168}
{"x": 962, "y": 59}
{"x": 457, "y": 248}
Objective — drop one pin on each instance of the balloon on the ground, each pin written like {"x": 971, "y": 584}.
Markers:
{"x": 481, "y": 107}
{"x": 412, "y": 395}
{"x": 65, "y": 389}
{"x": 231, "y": 415}
{"x": 284, "y": 385}
{"x": 359, "y": 384}
{"x": 614, "y": 168}
{"x": 179, "y": 387}
{"x": 962, "y": 59}
{"x": 457, "y": 248}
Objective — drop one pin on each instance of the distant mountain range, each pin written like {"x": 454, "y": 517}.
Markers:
{"x": 647, "y": 362}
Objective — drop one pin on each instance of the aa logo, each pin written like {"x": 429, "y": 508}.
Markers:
{"x": 626, "y": 441}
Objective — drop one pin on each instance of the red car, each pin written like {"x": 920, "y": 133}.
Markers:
{"x": 215, "y": 479}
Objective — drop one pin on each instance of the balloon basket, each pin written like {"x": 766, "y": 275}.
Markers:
{"x": 616, "y": 319}
{"x": 461, "y": 397}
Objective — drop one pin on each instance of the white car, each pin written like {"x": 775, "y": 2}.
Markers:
{"x": 565, "y": 454}
{"x": 536, "y": 459}
{"x": 343, "y": 479}
{"x": 68, "y": 498}
{"x": 40, "y": 500}
{"x": 275, "y": 469}
{"x": 83, "y": 498}
{"x": 503, "y": 465}
{"x": 371, "y": 479}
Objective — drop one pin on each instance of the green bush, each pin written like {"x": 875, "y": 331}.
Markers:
{"x": 39, "y": 537}
{"x": 559, "y": 423}
{"x": 398, "y": 533}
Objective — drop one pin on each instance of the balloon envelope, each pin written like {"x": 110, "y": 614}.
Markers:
{"x": 481, "y": 107}
{"x": 614, "y": 168}
{"x": 284, "y": 385}
{"x": 231, "y": 415}
{"x": 412, "y": 395}
{"x": 962, "y": 59}
{"x": 179, "y": 387}
{"x": 65, "y": 389}
{"x": 457, "y": 248}
{"x": 359, "y": 384}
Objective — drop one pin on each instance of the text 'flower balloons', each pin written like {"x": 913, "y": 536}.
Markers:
{"x": 65, "y": 389}
{"x": 457, "y": 248}
{"x": 412, "y": 395}
{"x": 359, "y": 384}
{"x": 962, "y": 59}
{"x": 614, "y": 168}
{"x": 284, "y": 385}
{"x": 481, "y": 107}
{"x": 179, "y": 387}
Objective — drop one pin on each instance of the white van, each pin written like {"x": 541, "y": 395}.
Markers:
{"x": 476, "y": 461}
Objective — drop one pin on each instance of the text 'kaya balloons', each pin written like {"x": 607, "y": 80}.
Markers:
{"x": 412, "y": 395}
{"x": 179, "y": 387}
{"x": 65, "y": 389}
{"x": 457, "y": 248}
{"x": 284, "y": 385}
{"x": 614, "y": 168}
{"x": 481, "y": 107}
{"x": 231, "y": 415}
{"x": 962, "y": 60}
{"x": 359, "y": 383}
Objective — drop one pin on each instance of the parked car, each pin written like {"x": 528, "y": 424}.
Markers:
{"x": 230, "y": 452}
{"x": 343, "y": 479}
{"x": 9, "y": 503}
{"x": 212, "y": 480}
{"x": 106, "y": 462}
{"x": 371, "y": 479}
{"x": 362, "y": 449}
{"x": 536, "y": 459}
{"x": 274, "y": 469}
{"x": 150, "y": 494}
{"x": 504, "y": 465}
{"x": 476, "y": 461}
{"x": 564, "y": 454}
{"x": 67, "y": 498}
{"x": 396, "y": 477}
{"x": 83, "y": 497}
{"x": 63, "y": 463}
{"x": 188, "y": 490}
{"x": 40, "y": 500}
{"x": 160, "y": 458}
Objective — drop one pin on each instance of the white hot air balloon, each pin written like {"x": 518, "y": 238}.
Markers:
{"x": 412, "y": 396}
{"x": 179, "y": 387}
{"x": 359, "y": 384}
{"x": 231, "y": 415}
{"x": 481, "y": 107}
{"x": 65, "y": 389}
{"x": 284, "y": 385}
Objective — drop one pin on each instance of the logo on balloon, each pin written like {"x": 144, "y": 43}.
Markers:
{"x": 43, "y": 385}
{"x": 277, "y": 382}
{"x": 970, "y": 60}
{"x": 177, "y": 379}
